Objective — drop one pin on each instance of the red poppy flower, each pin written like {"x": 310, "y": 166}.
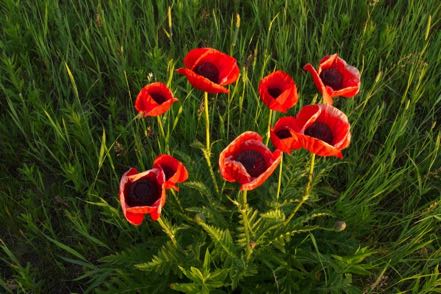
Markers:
{"x": 278, "y": 91}
{"x": 209, "y": 70}
{"x": 334, "y": 77}
{"x": 174, "y": 170}
{"x": 248, "y": 161}
{"x": 142, "y": 193}
{"x": 154, "y": 99}
{"x": 323, "y": 129}
{"x": 283, "y": 135}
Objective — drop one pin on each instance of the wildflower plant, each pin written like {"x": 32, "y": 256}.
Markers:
{"x": 101, "y": 194}
{"x": 225, "y": 242}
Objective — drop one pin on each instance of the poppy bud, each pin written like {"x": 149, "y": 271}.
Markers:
{"x": 340, "y": 226}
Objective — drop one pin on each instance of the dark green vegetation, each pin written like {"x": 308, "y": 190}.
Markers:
{"x": 69, "y": 74}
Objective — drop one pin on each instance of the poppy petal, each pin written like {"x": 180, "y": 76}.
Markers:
{"x": 194, "y": 55}
{"x": 319, "y": 147}
{"x": 347, "y": 92}
{"x": 277, "y": 156}
{"x": 231, "y": 76}
{"x": 201, "y": 82}
{"x": 162, "y": 108}
{"x": 233, "y": 171}
{"x": 307, "y": 116}
{"x": 327, "y": 61}
{"x": 134, "y": 218}
{"x": 225, "y": 64}
{"x": 283, "y": 135}
{"x": 124, "y": 181}
{"x": 338, "y": 122}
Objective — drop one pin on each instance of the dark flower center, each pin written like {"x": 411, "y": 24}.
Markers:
{"x": 333, "y": 78}
{"x": 283, "y": 134}
{"x": 144, "y": 192}
{"x": 208, "y": 70}
{"x": 159, "y": 98}
{"x": 320, "y": 131}
{"x": 168, "y": 171}
{"x": 253, "y": 161}
{"x": 274, "y": 92}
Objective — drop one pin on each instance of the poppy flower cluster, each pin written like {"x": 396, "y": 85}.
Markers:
{"x": 142, "y": 193}
{"x": 322, "y": 129}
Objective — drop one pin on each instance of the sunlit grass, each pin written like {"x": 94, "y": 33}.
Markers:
{"x": 69, "y": 74}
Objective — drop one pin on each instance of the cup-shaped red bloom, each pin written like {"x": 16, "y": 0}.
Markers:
{"x": 278, "y": 91}
{"x": 323, "y": 129}
{"x": 209, "y": 70}
{"x": 283, "y": 134}
{"x": 174, "y": 170}
{"x": 142, "y": 193}
{"x": 334, "y": 77}
{"x": 248, "y": 161}
{"x": 154, "y": 99}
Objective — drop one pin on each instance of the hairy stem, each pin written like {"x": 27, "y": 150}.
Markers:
{"x": 246, "y": 224}
{"x": 162, "y": 134}
{"x": 207, "y": 122}
{"x": 166, "y": 228}
{"x": 307, "y": 190}
{"x": 279, "y": 183}
{"x": 207, "y": 151}
{"x": 270, "y": 121}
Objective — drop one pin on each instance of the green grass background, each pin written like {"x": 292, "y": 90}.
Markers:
{"x": 69, "y": 74}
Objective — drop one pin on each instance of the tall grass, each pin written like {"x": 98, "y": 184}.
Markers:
{"x": 69, "y": 75}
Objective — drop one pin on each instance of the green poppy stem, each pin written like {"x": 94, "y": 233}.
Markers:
{"x": 207, "y": 121}
{"x": 279, "y": 183}
{"x": 207, "y": 151}
{"x": 246, "y": 223}
{"x": 162, "y": 133}
{"x": 167, "y": 229}
{"x": 177, "y": 199}
{"x": 307, "y": 190}
{"x": 270, "y": 122}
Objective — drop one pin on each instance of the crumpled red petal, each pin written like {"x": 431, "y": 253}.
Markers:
{"x": 285, "y": 144}
{"x": 174, "y": 170}
{"x": 276, "y": 158}
{"x": 202, "y": 83}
